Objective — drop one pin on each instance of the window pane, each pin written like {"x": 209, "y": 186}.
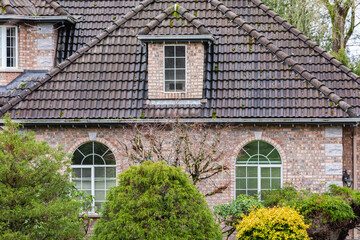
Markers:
{"x": 180, "y": 86}
{"x": 180, "y": 74}
{"x": 99, "y": 183}
{"x": 169, "y": 86}
{"x": 169, "y": 62}
{"x": 110, "y": 183}
{"x": 86, "y": 172}
{"x": 109, "y": 158}
{"x": 180, "y": 51}
{"x": 275, "y": 172}
{"x": 99, "y": 172}
{"x": 98, "y": 205}
{"x": 100, "y": 148}
{"x": 86, "y": 148}
{"x": 88, "y": 160}
{"x": 100, "y": 195}
{"x": 86, "y": 184}
{"x": 265, "y": 172}
{"x": 274, "y": 157}
{"x": 76, "y": 172}
{"x": 252, "y": 172}
{"x": 169, "y": 75}
{"x": 252, "y": 183}
{"x": 265, "y": 148}
{"x": 77, "y": 158}
{"x": 241, "y": 183}
{"x": 169, "y": 51}
{"x": 238, "y": 192}
{"x": 77, "y": 184}
{"x": 110, "y": 172}
{"x": 265, "y": 183}
{"x": 98, "y": 160}
{"x": 10, "y": 47}
{"x": 275, "y": 183}
{"x": 180, "y": 63}
{"x": 240, "y": 171}
{"x": 263, "y": 160}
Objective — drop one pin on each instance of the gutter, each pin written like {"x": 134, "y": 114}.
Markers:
{"x": 244, "y": 121}
{"x": 47, "y": 19}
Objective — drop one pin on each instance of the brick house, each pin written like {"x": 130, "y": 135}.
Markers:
{"x": 81, "y": 73}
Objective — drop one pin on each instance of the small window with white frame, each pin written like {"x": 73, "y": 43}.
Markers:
{"x": 9, "y": 46}
{"x": 175, "y": 68}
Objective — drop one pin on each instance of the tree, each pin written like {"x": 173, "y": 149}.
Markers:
{"x": 35, "y": 198}
{"x": 195, "y": 147}
{"x": 342, "y": 14}
{"x": 155, "y": 201}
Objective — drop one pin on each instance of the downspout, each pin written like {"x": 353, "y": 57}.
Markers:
{"x": 355, "y": 158}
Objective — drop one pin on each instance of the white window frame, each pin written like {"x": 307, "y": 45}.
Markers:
{"x": 174, "y": 45}
{"x": 92, "y": 167}
{"x": 4, "y": 47}
{"x": 259, "y": 167}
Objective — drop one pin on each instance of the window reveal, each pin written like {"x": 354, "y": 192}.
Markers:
{"x": 175, "y": 68}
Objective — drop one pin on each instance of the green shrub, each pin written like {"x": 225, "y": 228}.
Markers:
{"x": 272, "y": 223}
{"x": 331, "y": 214}
{"x": 155, "y": 201}
{"x": 230, "y": 214}
{"x": 35, "y": 198}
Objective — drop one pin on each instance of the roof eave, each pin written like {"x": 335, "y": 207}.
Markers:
{"x": 244, "y": 121}
{"x": 176, "y": 38}
{"x": 46, "y": 19}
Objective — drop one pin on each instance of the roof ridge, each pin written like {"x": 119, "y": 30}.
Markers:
{"x": 7, "y": 7}
{"x": 295, "y": 66}
{"x": 57, "y": 7}
{"x": 80, "y": 52}
{"x": 306, "y": 40}
{"x": 170, "y": 10}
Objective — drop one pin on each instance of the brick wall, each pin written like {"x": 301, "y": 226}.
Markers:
{"x": 36, "y": 50}
{"x": 311, "y": 160}
{"x": 194, "y": 72}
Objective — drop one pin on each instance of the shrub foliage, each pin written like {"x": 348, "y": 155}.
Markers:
{"x": 229, "y": 214}
{"x": 331, "y": 214}
{"x": 155, "y": 201}
{"x": 272, "y": 223}
{"x": 35, "y": 198}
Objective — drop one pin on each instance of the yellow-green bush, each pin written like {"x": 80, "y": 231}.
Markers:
{"x": 272, "y": 223}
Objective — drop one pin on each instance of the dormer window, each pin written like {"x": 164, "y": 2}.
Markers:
{"x": 175, "y": 69}
{"x": 8, "y": 50}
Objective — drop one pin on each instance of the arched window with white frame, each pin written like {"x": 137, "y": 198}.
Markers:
{"x": 94, "y": 171}
{"x": 258, "y": 167}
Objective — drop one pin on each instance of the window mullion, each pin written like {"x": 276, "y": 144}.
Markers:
{"x": 93, "y": 186}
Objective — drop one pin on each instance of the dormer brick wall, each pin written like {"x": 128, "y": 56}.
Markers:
{"x": 36, "y": 49}
{"x": 195, "y": 58}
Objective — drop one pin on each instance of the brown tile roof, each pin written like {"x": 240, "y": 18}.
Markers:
{"x": 259, "y": 66}
{"x": 32, "y": 8}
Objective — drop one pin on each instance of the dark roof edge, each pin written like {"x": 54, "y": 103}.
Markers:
{"x": 310, "y": 121}
{"x": 80, "y": 52}
{"x": 57, "y": 7}
{"x": 162, "y": 38}
{"x": 306, "y": 40}
{"x": 47, "y": 19}
{"x": 295, "y": 66}
{"x": 170, "y": 10}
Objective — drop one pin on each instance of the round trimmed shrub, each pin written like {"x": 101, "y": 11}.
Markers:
{"x": 272, "y": 223}
{"x": 155, "y": 201}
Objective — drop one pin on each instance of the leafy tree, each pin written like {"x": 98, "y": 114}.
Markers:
{"x": 342, "y": 14}
{"x": 331, "y": 214}
{"x": 230, "y": 214}
{"x": 195, "y": 147}
{"x": 155, "y": 201}
{"x": 35, "y": 198}
{"x": 271, "y": 224}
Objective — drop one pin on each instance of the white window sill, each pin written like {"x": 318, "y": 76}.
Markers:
{"x": 11, "y": 70}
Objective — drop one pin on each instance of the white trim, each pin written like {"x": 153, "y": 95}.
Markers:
{"x": 259, "y": 167}
{"x": 174, "y": 69}
{"x": 3, "y": 66}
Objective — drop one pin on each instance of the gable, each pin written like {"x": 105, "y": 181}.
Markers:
{"x": 244, "y": 79}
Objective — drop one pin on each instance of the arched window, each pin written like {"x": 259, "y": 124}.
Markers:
{"x": 258, "y": 167}
{"x": 94, "y": 170}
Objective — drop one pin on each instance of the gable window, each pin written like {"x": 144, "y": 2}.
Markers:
{"x": 94, "y": 171}
{"x": 175, "y": 68}
{"x": 258, "y": 167}
{"x": 8, "y": 50}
